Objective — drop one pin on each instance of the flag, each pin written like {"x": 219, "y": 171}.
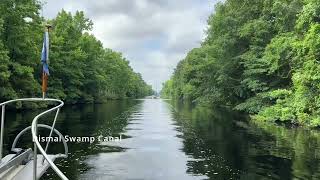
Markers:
{"x": 45, "y": 54}
{"x": 45, "y": 62}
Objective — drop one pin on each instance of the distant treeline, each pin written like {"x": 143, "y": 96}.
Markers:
{"x": 81, "y": 70}
{"x": 259, "y": 56}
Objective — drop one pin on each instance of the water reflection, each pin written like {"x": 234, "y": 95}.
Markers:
{"x": 153, "y": 150}
{"x": 80, "y": 120}
{"x": 210, "y": 141}
{"x": 296, "y": 148}
{"x": 231, "y": 148}
{"x": 165, "y": 140}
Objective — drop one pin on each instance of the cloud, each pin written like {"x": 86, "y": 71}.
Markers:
{"x": 154, "y": 35}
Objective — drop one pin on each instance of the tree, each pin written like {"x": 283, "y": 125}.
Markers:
{"x": 260, "y": 57}
{"x": 81, "y": 70}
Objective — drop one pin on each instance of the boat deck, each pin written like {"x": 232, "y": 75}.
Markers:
{"x": 21, "y": 172}
{"x": 28, "y": 163}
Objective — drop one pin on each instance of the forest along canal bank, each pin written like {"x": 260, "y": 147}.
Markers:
{"x": 161, "y": 140}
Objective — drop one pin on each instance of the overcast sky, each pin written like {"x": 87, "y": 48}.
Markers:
{"x": 154, "y": 35}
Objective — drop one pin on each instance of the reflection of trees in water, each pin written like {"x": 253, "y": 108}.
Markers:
{"x": 297, "y": 145}
{"x": 211, "y": 152}
{"x": 217, "y": 146}
{"x": 222, "y": 148}
{"x": 107, "y": 119}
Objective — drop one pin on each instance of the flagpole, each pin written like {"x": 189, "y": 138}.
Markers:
{"x": 44, "y": 75}
{"x": 43, "y": 85}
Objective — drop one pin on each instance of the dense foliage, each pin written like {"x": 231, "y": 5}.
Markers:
{"x": 259, "y": 56}
{"x": 81, "y": 70}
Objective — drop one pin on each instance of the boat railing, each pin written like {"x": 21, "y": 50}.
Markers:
{"x": 34, "y": 131}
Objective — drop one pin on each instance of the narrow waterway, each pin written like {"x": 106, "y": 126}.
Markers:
{"x": 164, "y": 140}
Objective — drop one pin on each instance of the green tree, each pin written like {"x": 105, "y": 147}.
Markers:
{"x": 21, "y": 37}
{"x": 260, "y": 57}
{"x": 81, "y": 70}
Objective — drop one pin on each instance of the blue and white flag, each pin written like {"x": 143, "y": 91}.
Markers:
{"x": 45, "y": 53}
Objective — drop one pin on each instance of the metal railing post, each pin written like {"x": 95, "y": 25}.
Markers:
{"x": 35, "y": 152}
{"x": 34, "y": 132}
{"x": 51, "y": 131}
{"x": 2, "y": 129}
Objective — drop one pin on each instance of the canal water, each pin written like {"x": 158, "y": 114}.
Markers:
{"x": 163, "y": 140}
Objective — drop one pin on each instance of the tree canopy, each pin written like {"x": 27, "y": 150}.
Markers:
{"x": 259, "y": 56}
{"x": 81, "y": 69}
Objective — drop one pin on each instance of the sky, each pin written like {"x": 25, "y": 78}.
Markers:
{"x": 154, "y": 35}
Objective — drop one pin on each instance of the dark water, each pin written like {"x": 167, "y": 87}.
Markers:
{"x": 162, "y": 140}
